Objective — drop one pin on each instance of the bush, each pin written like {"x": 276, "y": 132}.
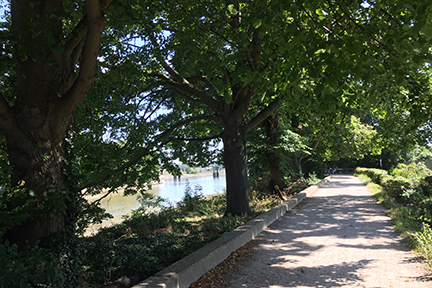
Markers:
{"x": 190, "y": 170}
{"x": 31, "y": 267}
{"x": 376, "y": 175}
{"x": 424, "y": 242}
{"x": 395, "y": 186}
{"x": 414, "y": 172}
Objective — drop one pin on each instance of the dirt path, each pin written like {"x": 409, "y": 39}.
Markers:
{"x": 337, "y": 238}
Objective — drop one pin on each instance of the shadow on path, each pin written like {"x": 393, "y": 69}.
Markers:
{"x": 337, "y": 238}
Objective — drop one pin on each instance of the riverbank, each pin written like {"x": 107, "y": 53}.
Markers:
{"x": 162, "y": 179}
{"x": 146, "y": 243}
{"x": 172, "y": 190}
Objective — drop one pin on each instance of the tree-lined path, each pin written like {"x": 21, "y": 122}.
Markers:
{"x": 337, "y": 238}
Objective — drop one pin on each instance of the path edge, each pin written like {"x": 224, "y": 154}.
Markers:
{"x": 187, "y": 270}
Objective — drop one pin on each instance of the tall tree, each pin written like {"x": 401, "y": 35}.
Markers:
{"x": 232, "y": 62}
{"x": 52, "y": 47}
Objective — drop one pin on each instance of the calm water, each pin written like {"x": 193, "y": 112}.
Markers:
{"x": 171, "y": 190}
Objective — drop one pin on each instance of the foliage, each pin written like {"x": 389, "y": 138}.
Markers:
{"x": 147, "y": 241}
{"x": 415, "y": 172}
{"x": 396, "y": 186}
{"x": 229, "y": 61}
{"x": 377, "y": 175}
{"x": 424, "y": 242}
{"x": 262, "y": 189}
{"x": 408, "y": 186}
{"x": 353, "y": 139}
{"x": 416, "y": 154}
{"x": 408, "y": 220}
{"x": 31, "y": 267}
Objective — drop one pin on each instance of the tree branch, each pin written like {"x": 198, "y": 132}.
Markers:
{"x": 372, "y": 37}
{"x": 180, "y": 81}
{"x": 205, "y": 80}
{"x": 5, "y": 113}
{"x": 96, "y": 24}
{"x": 130, "y": 163}
{"x": 192, "y": 119}
{"x": 186, "y": 86}
{"x": 199, "y": 139}
{"x": 262, "y": 115}
{"x": 314, "y": 147}
{"x": 78, "y": 34}
{"x": 148, "y": 150}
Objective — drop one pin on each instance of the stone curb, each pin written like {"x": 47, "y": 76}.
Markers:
{"x": 187, "y": 270}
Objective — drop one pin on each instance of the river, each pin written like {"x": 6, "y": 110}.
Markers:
{"x": 171, "y": 190}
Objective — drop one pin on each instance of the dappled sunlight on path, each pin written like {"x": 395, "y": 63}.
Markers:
{"x": 339, "y": 237}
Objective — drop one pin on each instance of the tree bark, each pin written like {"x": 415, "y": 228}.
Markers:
{"x": 271, "y": 125}
{"x": 48, "y": 89}
{"x": 235, "y": 160}
{"x": 36, "y": 156}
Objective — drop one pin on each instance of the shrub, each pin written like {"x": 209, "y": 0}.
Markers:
{"x": 31, "y": 267}
{"x": 414, "y": 172}
{"x": 376, "y": 175}
{"x": 395, "y": 186}
{"x": 361, "y": 170}
{"x": 424, "y": 242}
{"x": 427, "y": 186}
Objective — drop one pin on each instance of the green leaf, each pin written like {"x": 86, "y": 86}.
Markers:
{"x": 256, "y": 23}
{"x": 427, "y": 31}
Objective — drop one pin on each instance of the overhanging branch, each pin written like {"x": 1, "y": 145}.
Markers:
{"x": 177, "y": 80}
{"x": 188, "y": 88}
{"x": 95, "y": 25}
{"x": 160, "y": 140}
{"x": 262, "y": 115}
{"x": 199, "y": 139}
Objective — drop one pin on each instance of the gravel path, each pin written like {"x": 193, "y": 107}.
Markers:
{"x": 337, "y": 238}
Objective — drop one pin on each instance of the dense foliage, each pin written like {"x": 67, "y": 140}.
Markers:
{"x": 102, "y": 94}
{"x": 407, "y": 192}
{"x": 407, "y": 184}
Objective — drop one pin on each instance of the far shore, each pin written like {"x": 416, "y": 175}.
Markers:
{"x": 93, "y": 229}
{"x": 162, "y": 178}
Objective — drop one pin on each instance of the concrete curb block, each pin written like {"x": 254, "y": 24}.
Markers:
{"x": 184, "y": 272}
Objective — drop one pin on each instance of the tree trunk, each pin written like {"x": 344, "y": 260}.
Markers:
{"x": 36, "y": 155}
{"x": 48, "y": 89}
{"x": 271, "y": 125}
{"x": 296, "y": 166}
{"x": 235, "y": 160}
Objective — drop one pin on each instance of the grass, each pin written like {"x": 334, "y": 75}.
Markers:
{"x": 147, "y": 242}
{"x": 417, "y": 235}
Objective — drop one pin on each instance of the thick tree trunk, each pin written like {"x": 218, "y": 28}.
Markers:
{"x": 271, "y": 125}
{"x": 48, "y": 88}
{"x": 36, "y": 155}
{"x": 235, "y": 159}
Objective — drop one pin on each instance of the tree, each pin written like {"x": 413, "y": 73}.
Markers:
{"x": 52, "y": 48}
{"x": 223, "y": 91}
{"x": 391, "y": 88}
{"x": 228, "y": 62}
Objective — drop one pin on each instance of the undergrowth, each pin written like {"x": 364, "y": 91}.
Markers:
{"x": 147, "y": 241}
{"x": 408, "y": 219}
